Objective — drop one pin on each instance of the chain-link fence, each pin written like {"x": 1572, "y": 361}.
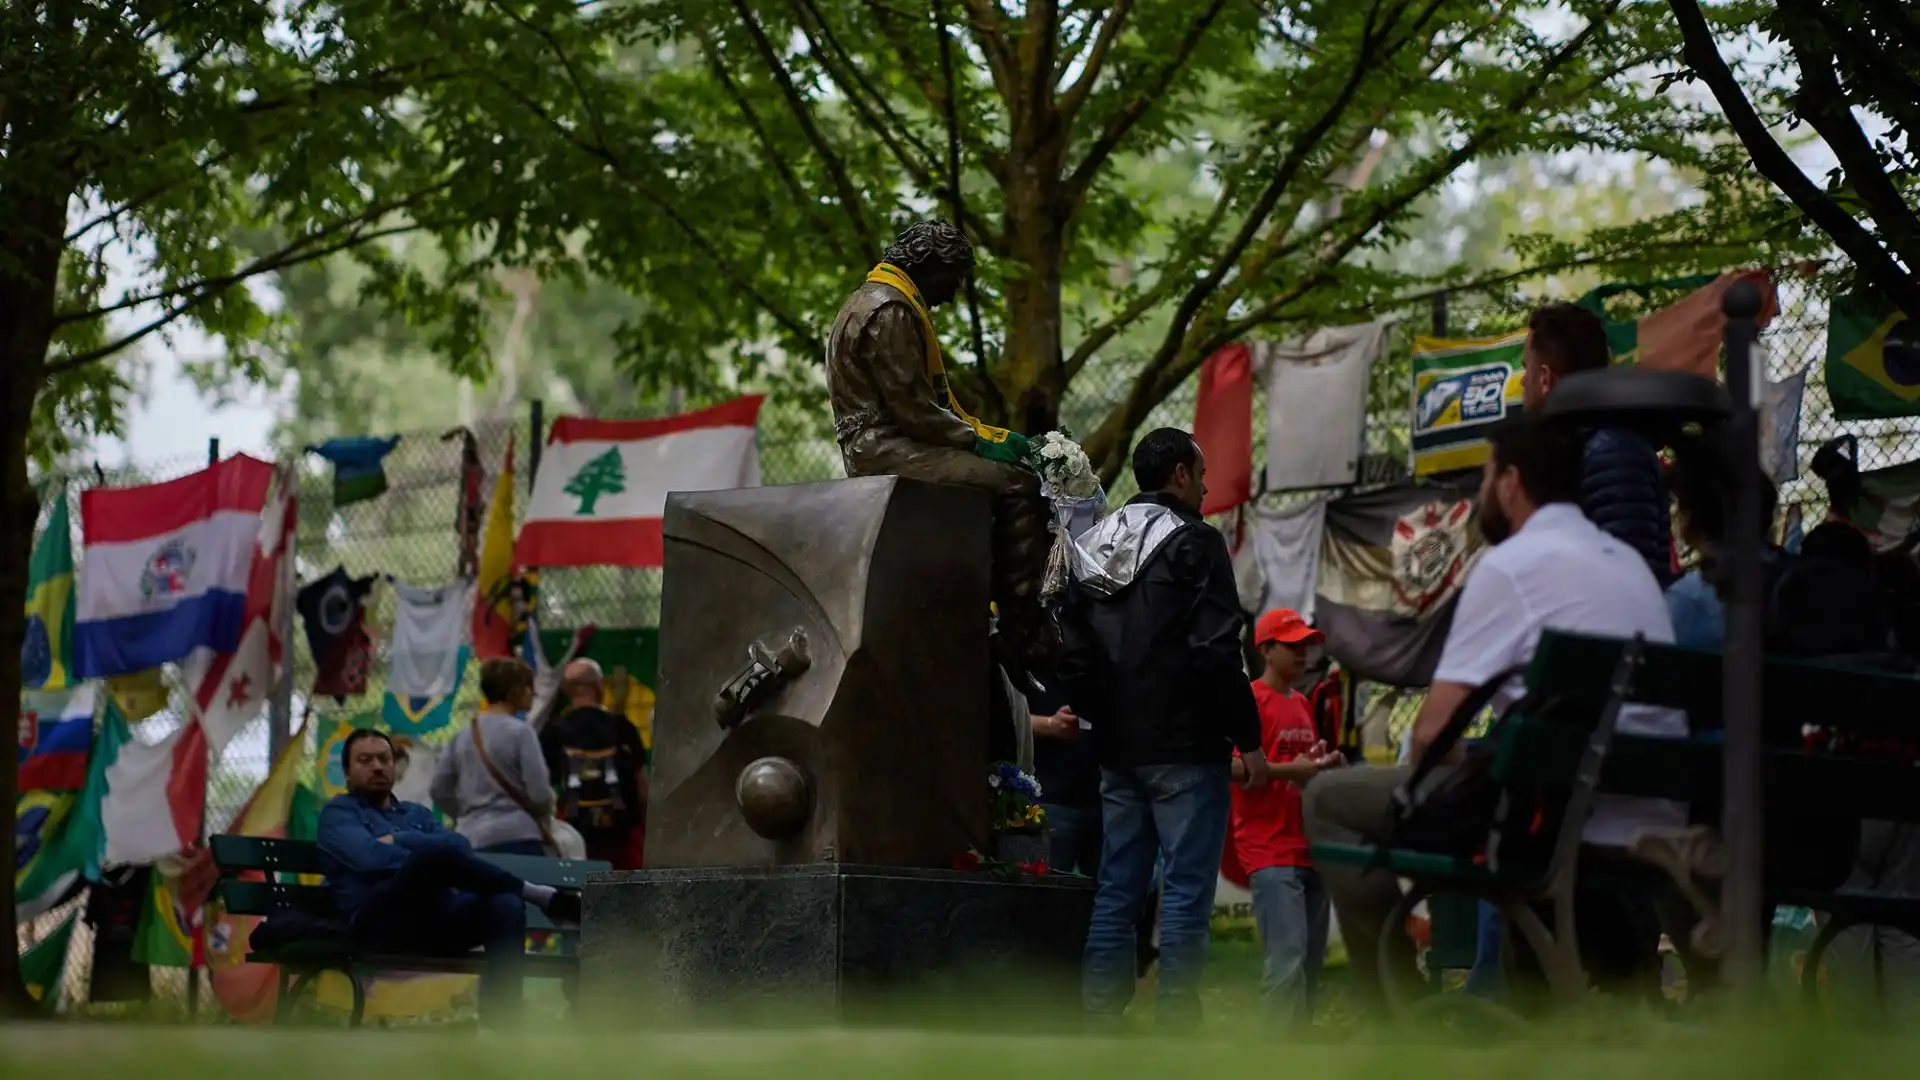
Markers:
{"x": 410, "y": 532}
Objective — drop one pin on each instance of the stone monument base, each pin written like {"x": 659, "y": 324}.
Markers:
{"x": 824, "y": 942}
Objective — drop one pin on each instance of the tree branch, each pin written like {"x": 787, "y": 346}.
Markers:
{"x": 1166, "y": 284}
{"x": 803, "y": 337}
{"x": 1037, "y": 49}
{"x": 1173, "y": 275}
{"x": 291, "y": 255}
{"x": 1181, "y": 352}
{"x": 1703, "y": 56}
{"x": 872, "y": 105}
{"x": 850, "y": 200}
{"x": 1424, "y": 181}
{"x": 285, "y": 256}
{"x": 1898, "y": 93}
{"x": 1372, "y": 37}
{"x": 1123, "y": 121}
{"x": 1075, "y": 95}
{"x": 806, "y": 204}
{"x": 1824, "y": 105}
{"x": 957, "y": 201}
{"x": 987, "y": 23}
{"x": 135, "y": 203}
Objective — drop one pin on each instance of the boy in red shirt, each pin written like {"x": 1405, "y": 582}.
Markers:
{"x": 1290, "y": 908}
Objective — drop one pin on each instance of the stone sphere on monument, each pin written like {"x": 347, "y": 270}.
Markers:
{"x": 774, "y": 797}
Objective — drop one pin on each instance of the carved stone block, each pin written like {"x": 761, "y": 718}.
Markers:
{"x": 839, "y": 628}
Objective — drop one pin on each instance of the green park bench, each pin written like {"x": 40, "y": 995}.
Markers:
{"x": 1861, "y": 701}
{"x": 1554, "y": 747}
{"x": 282, "y": 862}
{"x": 1514, "y": 889}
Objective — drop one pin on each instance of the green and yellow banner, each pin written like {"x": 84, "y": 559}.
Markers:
{"x": 1460, "y": 389}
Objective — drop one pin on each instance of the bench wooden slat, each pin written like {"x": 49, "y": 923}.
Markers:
{"x": 537, "y": 965}
{"x": 1544, "y": 753}
{"x": 264, "y": 853}
{"x": 1834, "y": 692}
{"x": 266, "y": 898}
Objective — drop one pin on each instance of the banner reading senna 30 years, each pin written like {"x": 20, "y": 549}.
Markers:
{"x": 1461, "y": 388}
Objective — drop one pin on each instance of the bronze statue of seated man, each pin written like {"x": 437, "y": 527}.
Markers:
{"x": 894, "y": 413}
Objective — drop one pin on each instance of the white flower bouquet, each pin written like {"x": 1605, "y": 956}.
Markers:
{"x": 1067, "y": 479}
{"x": 1063, "y": 465}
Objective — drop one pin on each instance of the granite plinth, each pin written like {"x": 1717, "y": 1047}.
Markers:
{"x": 832, "y": 942}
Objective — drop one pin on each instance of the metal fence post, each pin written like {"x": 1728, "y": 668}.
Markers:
{"x": 536, "y": 415}
{"x": 280, "y": 707}
{"x": 1741, "y": 811}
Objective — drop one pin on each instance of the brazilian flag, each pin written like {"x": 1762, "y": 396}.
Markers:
{"x": 43, "y": 967}
{"x": 1873, "y": 360}
{"x": 48, "y": 647}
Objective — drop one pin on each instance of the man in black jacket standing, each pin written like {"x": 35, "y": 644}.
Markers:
{"x": 1154, "y": 664}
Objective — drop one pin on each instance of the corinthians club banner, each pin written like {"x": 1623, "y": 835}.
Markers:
{"x": 1461, "y": 388}
{"x": 1391, "y": 563}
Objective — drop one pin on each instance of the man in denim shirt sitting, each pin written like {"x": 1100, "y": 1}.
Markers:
{"x": 405, "y": 884}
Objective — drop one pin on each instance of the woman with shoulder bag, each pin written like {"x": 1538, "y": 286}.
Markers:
{"x": 492, "y": 779}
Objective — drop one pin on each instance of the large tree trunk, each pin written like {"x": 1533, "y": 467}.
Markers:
{"x": 30, "y": 246}
{"x": 1030, "y": 374}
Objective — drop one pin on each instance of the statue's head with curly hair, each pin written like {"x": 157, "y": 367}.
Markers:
{"x": 936, "y": 256}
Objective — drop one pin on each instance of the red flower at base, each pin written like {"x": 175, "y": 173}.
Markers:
{"x": 967, "y": 861}
{"x": 1036, "y": 868}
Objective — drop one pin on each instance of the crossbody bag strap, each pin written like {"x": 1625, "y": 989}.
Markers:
{"x": 513, "y": 791}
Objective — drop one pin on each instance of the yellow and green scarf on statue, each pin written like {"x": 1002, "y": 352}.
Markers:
{"x": 992, "y": 443}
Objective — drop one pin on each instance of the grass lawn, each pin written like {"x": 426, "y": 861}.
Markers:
{"x": 1648, "y": 1052}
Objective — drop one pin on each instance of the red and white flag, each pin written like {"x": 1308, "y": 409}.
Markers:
{"x": 230, "y": 689}
{"x": 603, "y": 484}
{"x": 1223, "y": 427}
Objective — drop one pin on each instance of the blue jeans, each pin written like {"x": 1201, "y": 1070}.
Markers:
{"x": 446, "y": 902}
{"x": 1291, "y": 911}
{"x": 1175, "y": 815}
{"x": 1073, "y": 839}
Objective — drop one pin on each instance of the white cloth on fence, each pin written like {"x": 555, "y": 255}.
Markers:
{"x": 1278, "y": 561}
{"x": 1317, "y": 404}
{"x": 429, "y": 626}
{"x": 1780, "y": 426}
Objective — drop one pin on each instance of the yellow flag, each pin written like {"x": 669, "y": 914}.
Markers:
{"x": 493, "y": 600}
{"x": 139, "y": 695}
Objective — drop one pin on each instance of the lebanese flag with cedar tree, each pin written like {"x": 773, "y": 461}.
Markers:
{"x": 601, "y": 492}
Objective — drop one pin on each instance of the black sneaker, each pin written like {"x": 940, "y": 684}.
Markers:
{"x": 565, "y": 907}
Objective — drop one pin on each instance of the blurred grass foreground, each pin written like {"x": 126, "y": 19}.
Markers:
{"x": 1649, "y": 1052}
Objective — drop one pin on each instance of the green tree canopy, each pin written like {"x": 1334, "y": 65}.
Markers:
{"x": 1827, "y": 61}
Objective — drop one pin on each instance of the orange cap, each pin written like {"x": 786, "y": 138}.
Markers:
{"x": 1285, "y": 625}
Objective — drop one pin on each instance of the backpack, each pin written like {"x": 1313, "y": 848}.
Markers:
{"x": 1468, "y": 814}
{"x": 590, "y": 780}
{"x": 1455, "y": 815}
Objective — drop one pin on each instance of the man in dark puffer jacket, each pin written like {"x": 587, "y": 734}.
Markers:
{"x": 1623, "y": 488}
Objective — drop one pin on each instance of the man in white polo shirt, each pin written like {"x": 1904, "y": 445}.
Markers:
{"x": 1549, "y": 568}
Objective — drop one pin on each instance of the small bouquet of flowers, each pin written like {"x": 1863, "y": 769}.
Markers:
{"x": 1017, "y": 823}
{"x": 1015, "y": 795}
